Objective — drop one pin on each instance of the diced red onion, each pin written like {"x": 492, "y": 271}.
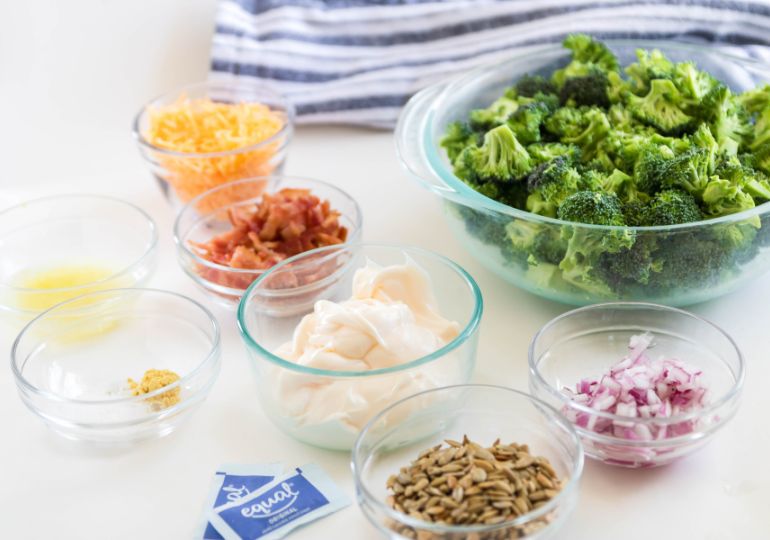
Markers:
{"x": 640, "y": 387}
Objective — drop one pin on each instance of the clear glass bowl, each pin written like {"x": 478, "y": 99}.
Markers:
{"x": 185, "y": 175}
{"x": 72, "y": 363}
{"x": 206, "y": 216}
{"x": 586, "y": 342}
{"x": 87, "y": 242}
{"x": 396, "y": 436}
{"x": 276, "y": 302}
{"x": 482, "y": 225}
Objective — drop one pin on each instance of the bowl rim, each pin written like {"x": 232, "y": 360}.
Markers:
{"x": 146, "y": 254}
{"x": 211, "y": 357}
{"x": 537, "y": 377}
{"x": 475, "y": 200}
{"x": 271, "y": 181}
{"x": 286, "y": 130}
{"x": 573, "y": 479}
{"x": 467, "y": 332}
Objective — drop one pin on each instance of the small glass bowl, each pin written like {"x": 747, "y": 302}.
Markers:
{"x": 72, "y": 363}
{"x": 101, "y": 242}
{"x": 206, "y": 216}
{"x": 484, "y": 413}
{"x": 586, "y": 342}
{"x": 276, "y": 302}
{"x": 183, "y": 176}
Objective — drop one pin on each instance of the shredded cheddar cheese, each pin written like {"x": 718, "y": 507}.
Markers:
{"x": 154, "y": 379}
{"x": 203, "y": 126}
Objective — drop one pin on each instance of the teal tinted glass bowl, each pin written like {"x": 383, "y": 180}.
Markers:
{"x": 485, "y": 227}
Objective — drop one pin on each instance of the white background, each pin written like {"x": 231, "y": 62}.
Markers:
{"x": 72, "y": 74}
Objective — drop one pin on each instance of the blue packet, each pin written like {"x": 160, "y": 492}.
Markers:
{"x": 288, "y": 502}
{"x": 230, "y": 483}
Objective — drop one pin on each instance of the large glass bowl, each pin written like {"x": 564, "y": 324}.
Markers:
{"x": 72, "y": 363}
{"x": 206, "y": 216}
{"x": 484, "y": 413}
{"x": 276, "y": 302}
{"x": 185, "y": 175}
{"x": 586, "y": 342}
{"x": 484, "y": 226}
{"x": 56, "y": 248}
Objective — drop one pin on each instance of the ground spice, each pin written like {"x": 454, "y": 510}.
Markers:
{"x": 154, "y": 379}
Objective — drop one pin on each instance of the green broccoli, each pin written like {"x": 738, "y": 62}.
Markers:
{"x": 593, "y": 208}
{"x": 630, "y": 266}
{"x": 721, "y": 197}
{"x": 687, "y": 259}
{"x": 588, "y": 55}
{"x": 755, "y": 100}
{"x": 650, "y": 166}
{"x": 688, "y": 171}
{"x": 530, "y": 85}
{"x": 660, "y": 108}
{"x": 544, "y": 152}
{"x": 526, "y": 121}
{"x": 670, "y": 207}
{"x": 585, "y": 246}
{"x": 458, "y": 135}
{"x": 650, "y": 66}
{"x": 592, "y": 135}
{"x": 694, "y": 85}
{"x": 754, "y": 182}
{"x": 549, "y": 184}
{"x": 761, "y": 132}
{"x": 590, "y": 90}
{"x": 731, "y": 123}
{"x": 494, "y": 115}
{"x": 501, "y": 158}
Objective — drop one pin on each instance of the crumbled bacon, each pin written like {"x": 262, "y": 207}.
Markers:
{"x": 281, "y": 225}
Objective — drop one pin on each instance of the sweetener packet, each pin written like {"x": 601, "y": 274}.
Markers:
{"x": 292, "y": 500}
{"x": 231, "y": 483}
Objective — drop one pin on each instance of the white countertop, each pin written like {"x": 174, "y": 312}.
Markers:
{"x": 71, "y": 76}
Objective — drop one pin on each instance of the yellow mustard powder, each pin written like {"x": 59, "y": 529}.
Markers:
{"x": 154, "y": 379}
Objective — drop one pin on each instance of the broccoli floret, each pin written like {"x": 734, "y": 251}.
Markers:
{"x": 458, "y": 135}
{"x": 650, "y": 166}
{"x": 630, "y": 266}
{"x": 762, "y": 158}
{"x": 593, "y": 208}
{"x": 755, "y": 100}
{"x": 650, "y": 66}
{"x": 585, "y": 246}
{"x": 688, "y": 260}
{"x": 635, "y": 213}
{"x": 623, "y": 186}
{"x": 761, "y": 131}
{"x": 730, "y": 123}
{"x": 544, "y": 152}
{"x": 753, "y": 182}
{"x": 549, "y": 184}
{"x": 722, "y": 197}
{"x": 526, "y": 121}
{"x": 660, "y": 108}
{"x": 530, "y": 85}
{"x": 592, "y": 135}
{"x": 588, "y": 55}
{"x": 702, "y": 138}
{"x": 494, "y": 115}
{"x": 694, "y": 85}
{"x": 566, "y": 122}
{"x": 590, "y": 90}
{"x": 670, "y": 207}
{"x": 688, "y": 171}
{"x": 501, "y": 158}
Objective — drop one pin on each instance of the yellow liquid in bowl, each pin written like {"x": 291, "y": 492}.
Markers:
{"x": 59, "y": 281}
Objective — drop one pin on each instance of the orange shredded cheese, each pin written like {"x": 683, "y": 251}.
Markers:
{"x": 203, "y": 126}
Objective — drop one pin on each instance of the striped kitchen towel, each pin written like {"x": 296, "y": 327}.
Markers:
{"x": 359, "y": 61}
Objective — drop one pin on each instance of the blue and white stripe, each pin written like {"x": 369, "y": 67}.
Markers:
{"x": 358, "y": 61}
